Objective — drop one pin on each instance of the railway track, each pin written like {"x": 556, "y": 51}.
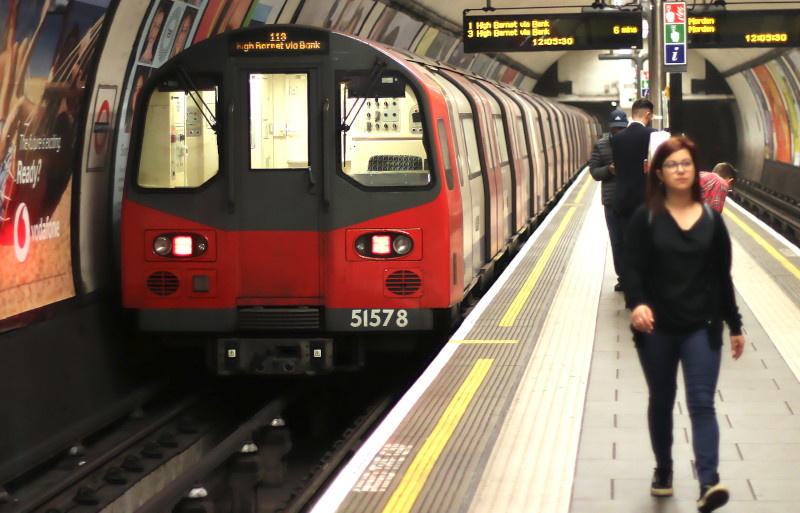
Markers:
{"x": 782, "y": 213}
{"x": 250, "y": 445}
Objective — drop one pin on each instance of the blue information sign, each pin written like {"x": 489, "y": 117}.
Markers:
{"x": 675, "y": 54}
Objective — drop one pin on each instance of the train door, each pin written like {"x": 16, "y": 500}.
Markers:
{"x": 278, "y": 185}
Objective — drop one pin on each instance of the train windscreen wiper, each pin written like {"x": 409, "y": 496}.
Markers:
{"x": 368, "y": 91}
{"x": 191, "y": 90}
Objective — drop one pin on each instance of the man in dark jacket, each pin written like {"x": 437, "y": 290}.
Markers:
{"x": 601, "y": 167}
{"x": 629, "y": 149}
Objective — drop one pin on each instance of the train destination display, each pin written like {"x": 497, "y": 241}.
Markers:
{"x": 744, "y": 29}
{"x": 288, "y": 40}
{"x": 549, "y": 32}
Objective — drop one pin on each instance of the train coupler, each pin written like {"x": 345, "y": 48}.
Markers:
{"x": 245, "y": 356}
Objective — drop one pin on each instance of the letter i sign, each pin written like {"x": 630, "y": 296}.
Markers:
{"x": 675, "y": 33}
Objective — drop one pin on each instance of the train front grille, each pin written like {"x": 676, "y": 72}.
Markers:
{"x": 403, "y": 283}
{"x": 163, "y": 283}
{"x": 266, "y": 319}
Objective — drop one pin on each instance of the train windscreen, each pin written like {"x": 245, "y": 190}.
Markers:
{"x": 381, "y": 141}
{"x": 179, "y": 141}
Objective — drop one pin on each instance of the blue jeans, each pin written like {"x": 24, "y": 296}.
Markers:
{"x": 659, "y": 355}
{"x": 616, "y": 233}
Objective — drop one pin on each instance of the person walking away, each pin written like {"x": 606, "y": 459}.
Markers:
{"x": 677, "y": 277}
{"x": 601, "y": 167}
{"x": 717, "y": 184}
{"x": 629, "y": 150}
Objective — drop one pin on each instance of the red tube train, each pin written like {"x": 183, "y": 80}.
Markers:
{"x": 296, "y": 194}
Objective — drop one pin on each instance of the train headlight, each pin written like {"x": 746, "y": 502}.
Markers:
{"x": 180, "y": 245}
{"x": 384, "y": 245}
{"x": 402, "y": 244}
{"x": 162, "y": 246}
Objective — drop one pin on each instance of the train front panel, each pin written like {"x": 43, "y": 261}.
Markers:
{"x": 285, "y": 186}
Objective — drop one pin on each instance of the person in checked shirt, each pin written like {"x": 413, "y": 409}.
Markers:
{"x": 717, "y": 184}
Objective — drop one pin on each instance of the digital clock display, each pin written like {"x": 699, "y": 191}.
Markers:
{"x": 282, "y": 40}
{"x": 531, "y": 32}
{"x": 744, "y": 29}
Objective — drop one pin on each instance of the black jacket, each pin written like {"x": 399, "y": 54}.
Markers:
{"x": 599, "y": 163}
{"x": 629, "y": 148}
{"x": 643, "y": 273}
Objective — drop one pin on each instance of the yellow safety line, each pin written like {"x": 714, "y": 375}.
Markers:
{"x": 488, "y": 341}
{"x": 516, "y": 306}
{"x": 764, "y": 244}
{"x": 585, "y": 186}
{"x": 407, "y": 491}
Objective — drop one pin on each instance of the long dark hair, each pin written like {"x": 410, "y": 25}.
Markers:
{"x": 655, "y": 191}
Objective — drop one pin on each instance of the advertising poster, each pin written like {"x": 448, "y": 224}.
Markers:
{"x": 766, "y": 121}
{"x": 264, "y": 12}
{"x": 781, "y": 150}
{"x": 46, "y": 49}
{"x": 395, "y": 29}
{"x": 787, "y": 83}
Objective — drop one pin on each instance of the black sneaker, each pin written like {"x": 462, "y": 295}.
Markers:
{"x": 618, "y": 286}
{"x": 662, "y": 483}
{"x": 712, "y": 497}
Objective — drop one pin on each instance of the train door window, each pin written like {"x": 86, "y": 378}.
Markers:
{"x": 501, "y": 138}
{"x": 381, "y": 131}
{"x": 179, "y": 141}
{"x": 278, "y": 120}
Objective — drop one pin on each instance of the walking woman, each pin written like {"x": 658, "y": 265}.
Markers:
{"x": 678, "y": 285}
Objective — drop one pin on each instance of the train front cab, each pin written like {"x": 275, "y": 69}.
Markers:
{"x": 279, "y": 201}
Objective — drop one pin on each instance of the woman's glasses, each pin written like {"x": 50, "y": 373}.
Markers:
{"x": 672, "y": 165}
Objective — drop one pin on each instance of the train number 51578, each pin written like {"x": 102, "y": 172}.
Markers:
{"x": 377, "y": 317}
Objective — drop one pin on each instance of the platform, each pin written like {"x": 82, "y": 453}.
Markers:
{"x": 538, "y": 403}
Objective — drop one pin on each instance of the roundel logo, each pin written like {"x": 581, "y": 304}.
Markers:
{"x": 22, "y": 232}
{"x": 101, "y": 124}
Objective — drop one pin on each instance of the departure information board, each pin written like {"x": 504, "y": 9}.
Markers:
{"x": 744, "y": 29}
{"x": 548, "y": 32}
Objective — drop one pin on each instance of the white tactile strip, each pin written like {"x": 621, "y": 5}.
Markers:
{"x": 531, "y": 468}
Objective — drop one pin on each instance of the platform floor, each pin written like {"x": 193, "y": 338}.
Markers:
{"x": 538, "y": 403}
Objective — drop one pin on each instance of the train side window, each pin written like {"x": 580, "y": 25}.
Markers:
{"x": 278, "y": 120}
{"x": 179, "y": 144}
{"x": 381, "y": 131}
{"x": 444, "y": 147}
{"x": 501, "y": 138}
{"x": 468, "y": 126}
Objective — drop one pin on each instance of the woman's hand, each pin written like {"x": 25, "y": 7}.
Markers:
{"x": 642, "y": 318}
{"x": 737, "y": 346}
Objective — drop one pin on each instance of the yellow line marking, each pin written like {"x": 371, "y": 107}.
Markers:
{"x": 414, "y": 478}
{"x": 764, "y": 244}
{"x": 585, "y": 186}
{"x": 483, "y": 341}
{"x": 516, "y": 306}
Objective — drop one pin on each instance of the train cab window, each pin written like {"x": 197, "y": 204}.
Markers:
{"x": 279, "y": 121}
{"x": 179, "y": 142}
{"x": 381, "y": 131}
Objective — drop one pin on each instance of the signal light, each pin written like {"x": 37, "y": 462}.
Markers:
{"x": 381, "y": 245}
{"x": 182, "y": 245}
